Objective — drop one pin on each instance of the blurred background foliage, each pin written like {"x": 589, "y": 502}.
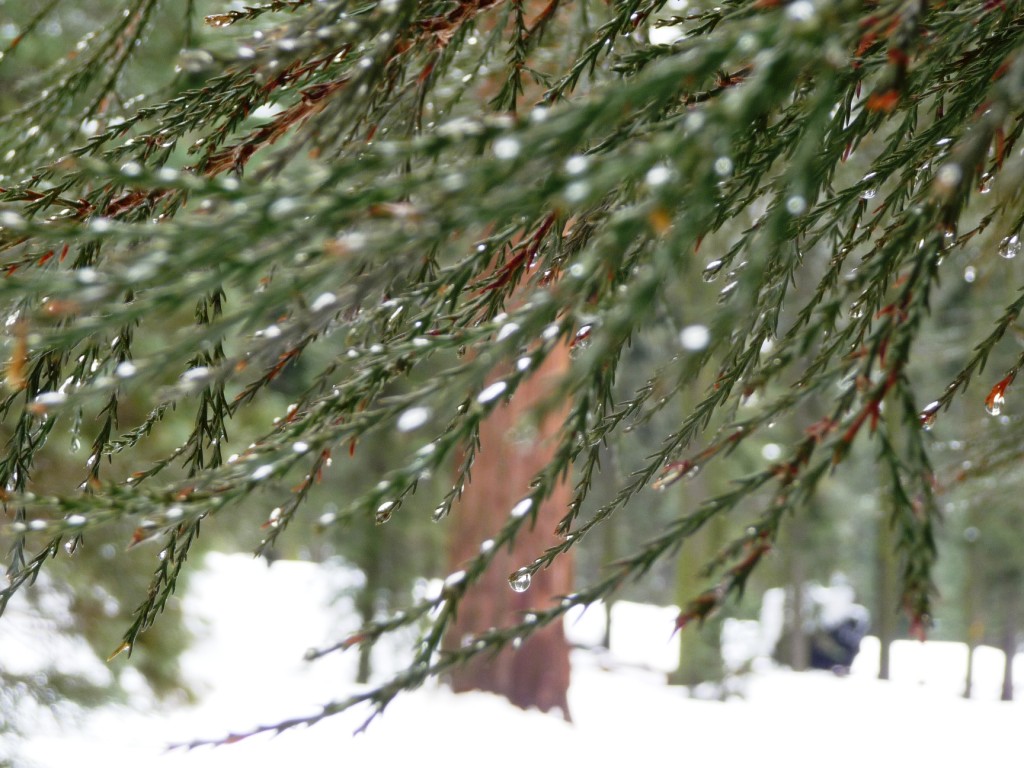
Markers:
{"x": 979, "y": 572}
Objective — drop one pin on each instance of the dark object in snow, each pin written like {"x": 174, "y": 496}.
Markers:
{"x": 836, "y": 647}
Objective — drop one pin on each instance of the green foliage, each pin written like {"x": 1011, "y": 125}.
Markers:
{"x": 419, "y": 202}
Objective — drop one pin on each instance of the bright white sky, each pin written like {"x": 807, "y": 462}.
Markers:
{"x": 256, "y": 623}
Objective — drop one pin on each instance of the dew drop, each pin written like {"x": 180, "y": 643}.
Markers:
{"x": 711, "y": 270}
{"x": 11, "y": 219}
{"x": 506, "y": 148}
{"x": 576, "y": 165}
{"x": 949, "y": 177}
{"x": 262, "y": 471}
{"x": 520, "y": 580}
{"x": 994, "y": 405}
{"x": 970, "y": 274}
{"x": 521, "y": 508}
{"x": 220, "y": 20}
{"x": 195, "y": 375}
{"x": 47, "y": 399}
{"x": 800, "y": 10}
{"x": 577, "y": 192}
{"x": 1009, "y": 248}
{"x": 694, "y": 338}
{"x": 658, "y": 175}
{"x": 580, "y": 341}
{"x": 323, "y": 301}
{"x": 796, "y": 204}
{"x": 384, "y": 512}
{"x": 454, "y": 579}
{"x": 492, "y": 392}
{"x": 551, "y": 332}
{"x": 507, "y": 330}
{"x": 413, "y": 418}
{"x": 928, "y": 415}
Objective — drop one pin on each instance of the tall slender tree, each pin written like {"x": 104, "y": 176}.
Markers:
{"x": 321, "y": 175}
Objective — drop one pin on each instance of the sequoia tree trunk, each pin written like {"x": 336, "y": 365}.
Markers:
{"x": 513, "y": 448}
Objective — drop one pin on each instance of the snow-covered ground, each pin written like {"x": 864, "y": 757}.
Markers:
{"x": 256, "y": 623}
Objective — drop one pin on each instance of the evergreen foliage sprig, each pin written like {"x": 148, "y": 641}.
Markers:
{"x": 322, "y": 176}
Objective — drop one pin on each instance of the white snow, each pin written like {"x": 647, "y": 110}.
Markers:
{"x": 257, "y": 622}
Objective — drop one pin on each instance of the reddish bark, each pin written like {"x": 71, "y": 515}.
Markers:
{"x": 513, "y": 449}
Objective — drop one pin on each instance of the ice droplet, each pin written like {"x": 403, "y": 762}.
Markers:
{"x": 125, "y": 370}
{"x": 507, "y": 330}
{"x": 262, "y": 471}
{"x": 1009, "y": 248}
{"x": 384, "y": 512}
{"x": 521, "y": 508}
{"x": 576, "y": 164}
{"x": 47, "y": 399}
{"x": 323, "y": 301}
{"x": 413, "y": 418}
{"x": 195, "y": 375}
{"x": 577, "y": 192}
{"x": 506, "y": 148}
{"x": 796, "y": 204}
{"x": 658, "y": 175}
{"x": 711, "y": 270}
{"x": 800, "y": 10}
{"x": 520, "y": 580}
{"x": 927, "y": 415}
{"x": 454, "y": 579}
{"x": 948, "y": 177}
{"x": 994, "y": 405}
{"x": 492, "y": 392}
{"x": 694, "y": 337}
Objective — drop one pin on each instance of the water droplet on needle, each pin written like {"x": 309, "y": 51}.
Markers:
{"x": 520, "y": 580}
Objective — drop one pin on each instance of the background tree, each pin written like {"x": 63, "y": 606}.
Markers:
{"x": 318, "y": 186}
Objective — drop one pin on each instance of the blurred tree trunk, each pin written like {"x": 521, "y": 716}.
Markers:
{"x": 1009, "y": 640}
{"x": 799, "y": 651}
{"x": 537, "y": 674}
{"x": 700, "y": 652}
{"x": 610, "y": 537}
{"x": 975, "y": 625}
{"x": 372, "y": 564}
{"x": 886, "y": 610}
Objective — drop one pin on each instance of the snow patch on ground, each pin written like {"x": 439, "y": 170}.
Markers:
{"x": 256, "y": 623}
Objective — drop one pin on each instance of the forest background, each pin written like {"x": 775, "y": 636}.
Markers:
{"x": 842, "y": 531}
